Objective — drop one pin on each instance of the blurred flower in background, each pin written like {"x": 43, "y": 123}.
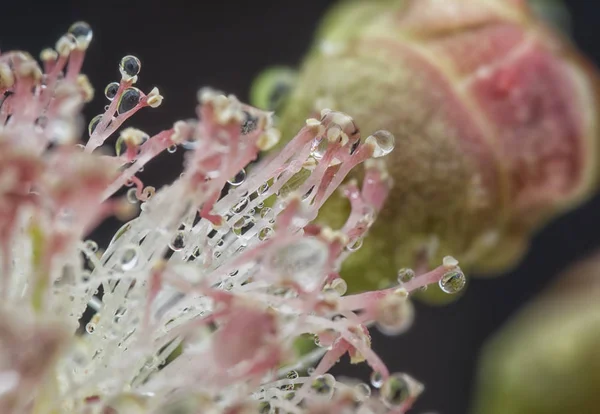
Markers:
{"x": 546, "y": 360}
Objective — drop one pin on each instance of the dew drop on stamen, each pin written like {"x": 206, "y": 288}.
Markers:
{"x": 94, "y": 123}
{"x": 91, "y": 245}
{"x": 172, "y": 149}
{"x": 319, "y": 148}
{"x": 240, "y": 206}
{"x": 354, "y": 245}
{"x": 453, "y": 281}
{"x": 132, "y": 196}
{"x": 129, "y": 257}
{"x": 265, "y": 212}
{"x": 263, "y": 189}
{"x": 405, "y": 275}
{"x": 90, "y": 327}
{"x": 323, "y": 385}
{"x": 383, "y": 142}
{"x": 376, "y": 379}
{"x": 177, "y": 242}
{"x": 111, "y": 90}
{"x": 128, "y": 100}
{"x": 340, "y": 286}
{"x": 238, "y": 179}
{"x": 395, "y": 390}
{"x": 265, "y": 233}
{"x": 130, "y": 66}
{"x": 82, "y": 32}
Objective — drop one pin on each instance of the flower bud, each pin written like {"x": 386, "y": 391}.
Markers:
{"x": 493, "y": 115}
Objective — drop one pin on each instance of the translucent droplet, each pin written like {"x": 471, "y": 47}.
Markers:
{"x": 172, "y": 149}
{"x": 323, "y": 385}
{"x": 340, "y": 286}
{"x": 303, "y": 261}
{"x": 129, "y": 66}
{"x": 405, "y": 275}
{"x": 292, "y": 375}
{"x": 395, "y": 390}
{"x": 91, "y": 245}
{"x": 354, "y": 245}
{"x": 383, "y": 142}
{"x": 129, "y": 257}
{"x": 239, "y": 178}
{"x": 326, "y": 338}
{"x": 94, "y": 123}
{"x": 376, "y": 379}
{"x": 240, "y": 206}
{"x": 239, "y": 225}
{"x": 90, "y": 327}
{"x": 82, "y": 33}
{"x": 265, "y": 212}
{"x": 128, "y": 100}
{"x": 453, "y": 281}
{"x": 319, "y": 148}
{"x": 263, "y": 189}
{"x": 362, "y": 391}
{"x": 111, "y": 90}
{"x": 178, "y": 241}
{"x": 131, "y": 196}
{"x": 265, "y": 233}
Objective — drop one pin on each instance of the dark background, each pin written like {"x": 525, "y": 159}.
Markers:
{"x": 225, "y": 44}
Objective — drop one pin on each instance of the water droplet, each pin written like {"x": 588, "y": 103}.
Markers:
{"x": 303, "y": 261}
{"x": 128, "y": 100}
{"x": 376, "y": 379}
{"x": 129, "y": 66}
{"x": 178, "y": 241}
{"x": 94, "y": 123}
{"x": 239, "y": 178}
{"x": 172, "y": 149}
{"x": 131, "y": 195}
{"x": 323, "y": 385}
{"x": 405, "y": 275}
{"x": 265, "y": 212}
{"x": 292, "y": 375}
{"x": 354, "y": 245}
{"x": 263, "y": 189}
{"x": 90, "y": 327}
{"x": 395, "y": 390}
{"x": 129, "y": 257}
{"x": 111, "y": 90}
{"x": 340, "y": 286}
{"x": 240, "y": 206}
{"x": 82, "y": 33}
{"x": 91, "y": 246}
{"x": 265, "y": 233}
{"x": 319, "y": 148}
{"x": 383, "y": 142}
{"x": 453, "y": 281}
